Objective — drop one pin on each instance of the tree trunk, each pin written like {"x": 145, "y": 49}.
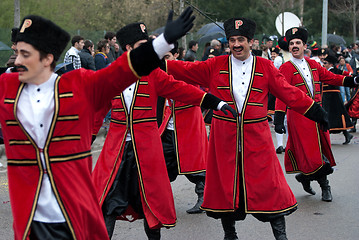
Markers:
{"x": 17, "y": 13}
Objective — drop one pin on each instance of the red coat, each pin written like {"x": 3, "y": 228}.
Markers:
{"x": 306, "y": 141}
{"x": 191, "y": 142}
{"x": 353, "y": 106}
{"x": 77, "y": 96}
{"x": 263, "y": 181}
{"x": 157, "y": 198}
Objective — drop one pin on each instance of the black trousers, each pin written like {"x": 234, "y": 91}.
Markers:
{"x": 169, "y": 150}
{"x": 125, "y": 190}
{"x": 50, "y": 231}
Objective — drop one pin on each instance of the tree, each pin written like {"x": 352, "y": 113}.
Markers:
{"x": 346, "y": 8}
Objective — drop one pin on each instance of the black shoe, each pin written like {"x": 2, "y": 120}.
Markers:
{"x": 348, "y": 138}
{"x": 279, "y": 150}
{"x": 196, "y": 208}
{"x": 305, "y": 183}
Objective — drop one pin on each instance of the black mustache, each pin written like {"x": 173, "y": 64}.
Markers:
{"x": 295, "y": 48}
{"x": 17, "y": 68}
{"x": 237, "y": 48}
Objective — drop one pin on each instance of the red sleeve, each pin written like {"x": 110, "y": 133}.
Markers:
{"x": 328, "y": 77}
{"x": 166, "y": 86}
{"x": 198, "y": 72}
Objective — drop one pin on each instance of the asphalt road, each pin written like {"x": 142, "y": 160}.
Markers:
{"x": 314, "y": 219}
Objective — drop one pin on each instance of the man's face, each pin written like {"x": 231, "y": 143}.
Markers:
{"x": 195, "y": 47}
{"x": 269, "y": 43}
{"x": 113, "y": 41}
{"x": 256, "y": 42}
{"x": 240, "y": 47}
{"x": 170, "y": 56}
{"x": 322, "y": 56}
{"x": 297, "y": 47}
{"x": 326, "y": 64}
{"x": 80, "y": 45}
{"x": 28, "y": 62}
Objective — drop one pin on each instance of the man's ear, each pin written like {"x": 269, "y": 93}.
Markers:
{"x": 48, "y": 59}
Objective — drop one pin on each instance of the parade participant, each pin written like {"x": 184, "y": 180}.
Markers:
{"x": 47, "y": 121}
{"x": 243, "y": 174}
{"x": 339, "y": 119}
{"x": 130, "y": 175}
{"x": 308, "y": 149}
{"x": 185, "y": 142}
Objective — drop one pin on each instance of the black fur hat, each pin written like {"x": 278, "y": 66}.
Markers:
{"x": 283, "y": 44}
{"x": 14, "y": 32}
{"x": 43, "y": 34}
{"x": 239, "y": 27}
{"x": 331, "y": 59}
{"x": 131, "y": 33}
{"x": 296, "y": 32}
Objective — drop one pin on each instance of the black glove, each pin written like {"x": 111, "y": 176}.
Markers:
{"x": 211, "y": 102}
{"x": 226, "y": 108}
{"x": 279, "y": 122}
{"x": 179, "y": 27}
{"x": 317, "y": 114}
{"x": 350, "y": 81}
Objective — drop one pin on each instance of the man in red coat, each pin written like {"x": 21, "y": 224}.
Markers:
{"x": 47, "y": 122}
{"x": 243, "y": 174}
{"x": 130, "y": 175}
{"x": 308, "y": 150}
{"x": 184, "y": 140}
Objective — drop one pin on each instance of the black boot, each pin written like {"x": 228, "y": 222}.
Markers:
{"x": 354, "y": 121}
{"x": 152, "y": 234}
{"x": 229, "y": 228}
{"x": 305, "y": 182}
{"x": 278, "y": 228}
{"x": 347, "y": 136}
{"x": 199, "y": 189}
{"x": 324, "y": 185}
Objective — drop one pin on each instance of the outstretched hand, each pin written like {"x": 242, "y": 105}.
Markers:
{"x": 226, "y": 108}
{"x": 179, "y": 27}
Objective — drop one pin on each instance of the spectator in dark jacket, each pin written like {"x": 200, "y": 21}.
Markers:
{"x": 87, "y": 60}
{"x": 101, "y": 58}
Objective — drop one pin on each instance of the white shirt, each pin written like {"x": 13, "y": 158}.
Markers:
{"x": 35, "y": 111}
{"x": 170, "y": 125}
{"x": 241, "y": 74}
{"x": 303, "y": 67}
{"x": 128, "y": 97}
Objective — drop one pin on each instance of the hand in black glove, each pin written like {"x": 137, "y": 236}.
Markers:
{"x": 319, "y": 115}
{"x": 211, "y": 102}
{"x": 226, "y": 108}
{"x": 179, "y": 27}
{"x": 279, "y": 122}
